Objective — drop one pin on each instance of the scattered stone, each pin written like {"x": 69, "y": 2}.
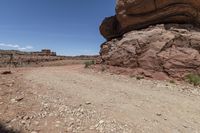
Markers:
{"x": 36, "y": 123}
{"x": 10, "y": 85}
{"x": 9, "y": 127}
{"x": 51, "y": 114}
{"x": 71, "y": 123}
{"x": 78, "y": 120}
{"x": 72, "y": 119}
{"x": 6, "y": 72}
{"x": 57, "y": 125}
{"x": 101, "y": 122}
{"x": 8, "y": 121}
{"x": 58, "y": 122}
{"x": 92, "y": 128}
{"x": 23, "y": 122}
{"x": 13, "y": 100}
{"x": 19, "y": 98}
{"x": 34, "y": 132}
{"x": 13, "y": 120}
{"x": 69, "y": 129}
{"x": 88, "y": 103}
{"x": 159, "y": 114}
{"x": 26, "y": 117}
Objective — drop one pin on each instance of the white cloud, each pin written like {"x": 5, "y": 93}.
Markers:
{"x": 15, "y": 46}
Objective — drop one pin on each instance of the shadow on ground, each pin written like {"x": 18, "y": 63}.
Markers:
{"x": 3, "y": 129}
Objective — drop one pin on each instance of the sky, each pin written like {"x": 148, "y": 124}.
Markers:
{"x": 68, "y": 27}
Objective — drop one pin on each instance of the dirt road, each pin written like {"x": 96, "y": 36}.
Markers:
{"x": 74, "y": 99}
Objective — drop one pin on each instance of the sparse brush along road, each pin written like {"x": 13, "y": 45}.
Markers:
{"x": 74, "y": 99}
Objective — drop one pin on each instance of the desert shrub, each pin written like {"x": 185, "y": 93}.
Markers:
{"x": 139, "y": 77}
{"x": 172, "y": 81}
{"x": 193, "y": 79}
{"x": 132, "y": 76}
{"x": 89, "y": 63}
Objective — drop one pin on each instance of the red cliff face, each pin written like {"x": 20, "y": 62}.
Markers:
{"x": 137, "y": 14}
{"x": 166, "y": 48}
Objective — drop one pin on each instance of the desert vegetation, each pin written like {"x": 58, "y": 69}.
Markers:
{"x": 89, "y": 63}
{"x": 193, "y": 79}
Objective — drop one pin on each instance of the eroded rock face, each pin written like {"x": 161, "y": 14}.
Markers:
{"x": 173, "y": 51}
{"x": 137, "y": 14}
{"x": 110, "y": 27}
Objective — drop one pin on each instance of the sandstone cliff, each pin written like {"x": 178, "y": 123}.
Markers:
{"x": 174, "y": 51}
{"x": 168, "y": 48}
{"x": 137, "y": 14}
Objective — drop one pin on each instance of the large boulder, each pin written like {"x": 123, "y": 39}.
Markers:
{"x": 110, "y": 27}
{"x": 170, "y": 49}
{"x": 137, "y": 14}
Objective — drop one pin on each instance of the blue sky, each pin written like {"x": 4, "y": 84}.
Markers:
{"x": 69, "y": 27}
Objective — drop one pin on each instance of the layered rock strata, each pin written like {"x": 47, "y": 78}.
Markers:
{"x": 172, "y": 50}
{"x": 137, "y": 14}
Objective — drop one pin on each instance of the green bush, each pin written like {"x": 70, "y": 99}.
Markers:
{"x": 172, "y": 81}
{"x": 139, "y": 77}
{"x": 193, "y": 79}
{"x": 89, "y": 63}
{"x": 132, "y": 76}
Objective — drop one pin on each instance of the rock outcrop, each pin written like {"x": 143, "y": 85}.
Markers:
{"x": 172, "y": 50}
{"x": 137, "y": 14}
{"x": 153, "y": 36}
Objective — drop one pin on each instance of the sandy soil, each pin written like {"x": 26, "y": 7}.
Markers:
{"x": 74, "y": 99}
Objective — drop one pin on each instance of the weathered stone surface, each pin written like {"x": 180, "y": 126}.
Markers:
{"x": 137, "y": 14}
{"x": 174, "y": 51}
{"x": 110, "y": 27}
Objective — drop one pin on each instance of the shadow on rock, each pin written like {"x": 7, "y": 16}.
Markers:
{"x": 4, "y": 129}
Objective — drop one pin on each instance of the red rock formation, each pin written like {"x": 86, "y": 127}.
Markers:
{"x": 171, "y": 50}
{"x": 174, "y": 51}
{"x": 137, "y": 14}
